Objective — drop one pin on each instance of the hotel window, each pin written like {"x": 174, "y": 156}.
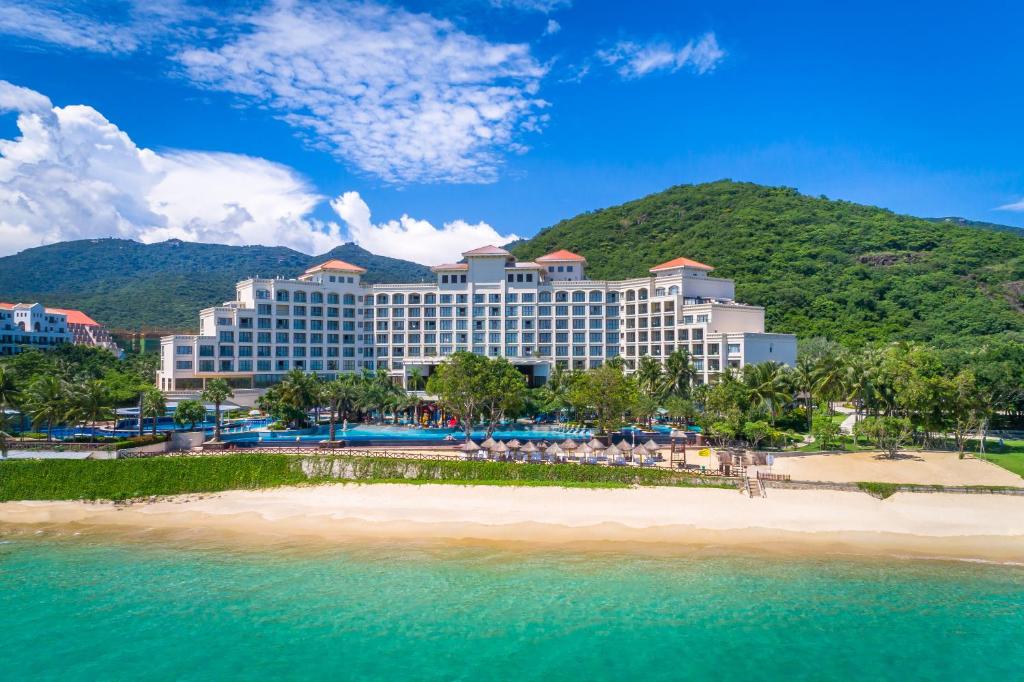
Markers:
{"x": 227, "y": 365}
{"x": 562, "y": 351}
{"x": 184, "y": 350}
{"x": 702, "y": 318}
{"x": 687, "y": 319}
{"x": 263, "y": 351}
{"x": 561, "y": 310}
{"x": 206, "y": 365}
{"x": 298, "y": 324}
{"x": 579, "y": 310}
{"x": 227, "y": 337}
{"x": 333, "y": 298}
{"x": 713, "y": 349}
{"x": 183, "y": 364}
{"x": 262, "y": 294}
{"x": 300, "y": 297}
{"x": 224, "y": 321}
{"x": 206, "y": 351}
{"x": 245, "y": 365}
{"x": 698, "y": 335}
{"x": 245, "y": 351}
{"x": 282, "y": 295}
{"x": 544, "y": 297}
{"x": 281, "y": 351}
{"x": 698, "y": 349}
{"x": 733, "y": 349}
{"x": 444, "y": 279}
{"x": 263, "y": 365}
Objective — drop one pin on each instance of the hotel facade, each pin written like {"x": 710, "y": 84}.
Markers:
{"x": 539, "y": 314}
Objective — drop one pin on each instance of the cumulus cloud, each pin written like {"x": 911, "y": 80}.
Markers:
{"x": 635, "y": 60}
{"x": 72, "y": 174}
{"x": 552, "y": 28}
{"x": 404, "y": 97}
{"x": 412, "y": 239}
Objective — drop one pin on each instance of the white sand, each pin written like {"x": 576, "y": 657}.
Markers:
{"x": 934, "y": 468}
{"x": 948, "y": 525}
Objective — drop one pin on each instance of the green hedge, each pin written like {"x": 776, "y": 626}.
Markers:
{"x": 132, "y": 478}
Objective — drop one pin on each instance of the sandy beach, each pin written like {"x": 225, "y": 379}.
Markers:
{"x": 938, "y": 525}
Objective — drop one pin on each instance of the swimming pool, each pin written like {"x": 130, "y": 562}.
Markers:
{"x": 382, "y": 432}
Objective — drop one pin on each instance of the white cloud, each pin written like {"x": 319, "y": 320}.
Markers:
{"x": 1015, "y": 206}
{"x": 544, "y": 6}
{"x": 412, "y": 239}
{"x": 405, "y": 97}
{"x": 72, "y": 174}
{"x": 552, "y": 28}
{"x": 634, "y": 60}
{"x": 58, "y": 23}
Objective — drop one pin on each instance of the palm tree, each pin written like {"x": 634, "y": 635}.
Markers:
{"x": 649, "y": 377}
{"x": 154, "y": 405}
{"x": 340, "y": 396}
{"x": 678, "y": 376}
{"x": 766, "y": 384}
{"x": 299, "y": 391}
{"x": 804, "y": 380}
{"x": 216, "y": 392}
{"x": 90, "y": 402}
{"x": 8, "y": 389}
{"x": 46, "y": 402}
{"x": 414, "y": 379}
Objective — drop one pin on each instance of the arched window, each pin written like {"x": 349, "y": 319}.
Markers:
{"x": 414, "y": 299}
{"x": 673, "y": 290}
{"x": 579, "y": 296}
{"x": 544, "y": 297}
{"x": 630, "y": 295}
{"x": 398, "y": 299}
{"x": 641, "y": 295}
{"x": 660, "y": 291}
{"x": 595, "y": 296}
{"x": 382, "y": 299}
{"x": 561, "y": 297}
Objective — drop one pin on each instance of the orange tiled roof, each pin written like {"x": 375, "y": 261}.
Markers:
{"x": 488, "y": 250}
{"x": 335, "y": 264}
{"x": 74, "y": 316}
{"x": 450, "y": 266}
{"x": 681, "y": 263}
{"x": 561, "y": 255}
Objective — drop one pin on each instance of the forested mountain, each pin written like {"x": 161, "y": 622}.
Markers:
{"x": 129, "y": 285}
{"x": 821, "y": 268}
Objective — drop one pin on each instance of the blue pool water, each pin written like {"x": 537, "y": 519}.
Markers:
{"x": 81, "y": 608}
{"x": 378, "y": 432}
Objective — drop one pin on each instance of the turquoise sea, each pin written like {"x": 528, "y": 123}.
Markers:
{"x": 82, "y": 607}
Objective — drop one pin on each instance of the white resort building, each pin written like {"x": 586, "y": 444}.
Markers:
{"x": 538, "y": 314}
{"x": 34, "y": 326}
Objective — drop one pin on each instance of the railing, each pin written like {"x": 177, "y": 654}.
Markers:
{"x": 55, "y": 445}
{"x": 773, "y": 477}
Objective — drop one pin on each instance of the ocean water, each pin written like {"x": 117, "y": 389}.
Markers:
{"x": 78, "y": 607}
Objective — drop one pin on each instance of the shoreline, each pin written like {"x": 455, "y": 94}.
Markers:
{"x": 787, "y": 523}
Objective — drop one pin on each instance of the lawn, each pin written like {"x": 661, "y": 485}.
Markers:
{"x": 1010, "y": 456}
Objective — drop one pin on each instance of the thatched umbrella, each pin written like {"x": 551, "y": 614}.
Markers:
{"x": 498, "y": 448}
{"x": 469, "y": 446}
{"x": 596, "y": 444}
{"x": 554, "y": 450}
{"x": 514, "y": 444}
{"x": 584, "y": 450}
{"x": 651, "y": 446}
{"x": 529, "y": 448}
{"x": 488, "y": 444}
{"x": 569, "y": 444}
{"x": 612, "y": 451}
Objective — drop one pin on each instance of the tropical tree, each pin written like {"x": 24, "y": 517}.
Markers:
{"x": 340, "y": 396}
{"x": 300, "y": 392}
{"x": 216, "y": 392}
{"x": 504, "y": 392}
{"x": 414, "y": 379}
{"x": 649, "y": 378}
{"x": 825, "y": 430}
{"x": 460, "y": 384}
{"x": 768, "y": 387}
{"x": 804, "y": 380}
{"x": 605, "y": 391}
{"x": 8, "y": 389}
{"x": 553, "y": 396}
{"x": 890, "y": 434}
{"x": 678, "y": 375}
{"x": 45, "y": 400}
{"x": 189, "y": 412}
{"x": 90, "y": 402}
{"x": 154, "y": 405}
{"x": 141, "y": 369}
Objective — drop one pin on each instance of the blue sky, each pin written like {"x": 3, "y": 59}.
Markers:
{"x": 415, "y": 128}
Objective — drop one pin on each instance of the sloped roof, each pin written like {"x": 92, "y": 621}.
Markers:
{"x": 450, "y": 266}
{"x": 681, "y": 263}
{"x": 561, "y": 255}
{"x": 488, "y": 250}
{"x": 73, "y": 316}
{"x": 335, "y": 264}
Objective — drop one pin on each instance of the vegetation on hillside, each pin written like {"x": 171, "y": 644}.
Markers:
{"x": 128, "y": 285}
{"x": 836, "y": 269}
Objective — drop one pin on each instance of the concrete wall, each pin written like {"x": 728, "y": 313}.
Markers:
{"x": 769, "y": 347}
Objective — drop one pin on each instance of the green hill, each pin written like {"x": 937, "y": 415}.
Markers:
{"x": 833, "y": 268}
{"x": 128, "y": 285}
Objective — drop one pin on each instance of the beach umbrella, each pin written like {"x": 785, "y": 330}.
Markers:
{"x": 596, "y": 444}
{"x": 612, "y": 451}
{"x": 554, "y": 450}
{"x": 529, "y": 447}
{"x": 651, "y": 446}
{"x": 489, "y": 443}
{"x": 584, "y": 449}
{"x": 624, "y": 446}
{"x": 499, "y": 448}
{"x": 569, "y": 444}
{"x": 514, "y": 444}
{"x": 469, "y": 446}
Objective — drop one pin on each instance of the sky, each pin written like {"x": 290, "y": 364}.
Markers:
{"x": 419, "y": 130}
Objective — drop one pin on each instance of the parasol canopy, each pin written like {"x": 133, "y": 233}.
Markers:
{"x": 651, "y": 446}
{"x": 554, "y": 449}
{"x": 469, "y": 446}
{"x": 529, "y": 447}
{"x": 569, "y": 444}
